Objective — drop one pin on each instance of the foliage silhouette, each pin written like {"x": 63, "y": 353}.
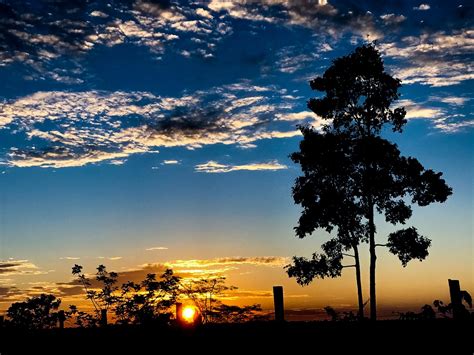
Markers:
{"x": 447, "y": 309}
{"x": 148, "y": 301}
{"x": 224, "y": 313}
{"x": 104, "y": 298}
{"x": 82, "y": 319}
{"x": 205, "y": 293}
{"x": 37, "y": 312}
{"x": 326, "y": 192}
{"x": 336, "y": 316}
{"x": 358, "y": 101}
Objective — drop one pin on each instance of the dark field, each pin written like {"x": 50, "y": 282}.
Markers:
{"x": 383, "y": 337}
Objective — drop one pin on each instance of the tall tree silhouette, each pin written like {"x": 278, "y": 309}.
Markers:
{"x": 326, "y": 193}
{"x": 358, "y": 102}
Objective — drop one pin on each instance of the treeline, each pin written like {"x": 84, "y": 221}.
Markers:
{"x": 148, "y": 302}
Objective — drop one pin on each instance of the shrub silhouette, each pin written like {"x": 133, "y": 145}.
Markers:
{"x": 148, "y": 301}
{"x": 39, "y": 312}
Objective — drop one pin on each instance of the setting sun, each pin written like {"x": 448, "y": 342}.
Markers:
{"x": 188, "y": 313}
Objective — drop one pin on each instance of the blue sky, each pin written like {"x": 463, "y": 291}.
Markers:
{"x": 127, "y": 125}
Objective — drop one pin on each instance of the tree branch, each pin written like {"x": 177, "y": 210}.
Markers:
{"x": 380, "y": 245}
{"x": 348, "y": 265}
{"x": 352, "y": 256}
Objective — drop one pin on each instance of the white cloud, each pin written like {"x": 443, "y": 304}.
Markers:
{"x": 422, "y": 7}
{"x": 423, "y": 112}
{"x": 204, "y": 13}
{"x": 156, "y": 248}
{"x": 69, "y": 258}
{"x": 215, "y": 167}
{"x": 392, "y": 19}
{"x": 436, "y": 59}
{"x": 139, "y": 23}
{"x": 452, "y": 100}
{"x": 111, "y": 258}
{"x": 170, "y": 162}
{"x": 98, "y": 14}
{"x": 99, "y": 126}
{"x": 415, "y": 110}
{"x": 447, "y": 126}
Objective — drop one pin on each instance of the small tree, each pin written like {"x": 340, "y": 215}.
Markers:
{"x": 104, "y": 298}
{"x": 82, "y": 319}
{"x": 148, "y": 301}
{"x": 204, "y": 293}
{"x": 37, "y": 312}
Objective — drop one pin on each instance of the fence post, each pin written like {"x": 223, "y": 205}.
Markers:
{"x": 179, "y": 312}
{"x": 103, "y": 317}
{"x": 61, "y": 319}
{"x": 278, "y": 303}
{"x": 456, "y": 298}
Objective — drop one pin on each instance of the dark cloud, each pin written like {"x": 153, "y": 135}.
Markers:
{"x": 189, "y": 120}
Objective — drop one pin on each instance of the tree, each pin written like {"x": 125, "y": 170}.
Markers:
{"x": 326, "y": 193}
{"x": 205, "y": 293}
{"x": 148, "y": 301}
{"x": 358, "y": 102}
{"x": 104, "y": 298}
{"x": 35, "y": 313}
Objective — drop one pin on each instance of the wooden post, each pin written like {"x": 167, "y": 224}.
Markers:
{"x": 456, "y": 298}
{"x": 61, "y": 319}
{"x": 278, "y": 303}
{"x": 179, "y": 313}
{"x": 103, "y": 317}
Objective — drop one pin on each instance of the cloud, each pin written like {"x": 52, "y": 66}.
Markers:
{"x": 215, "y": 167}
{"x": 69, "y": 258}
{"x": 156, "y": 248}
{"x": 392, "y": 19}
{"x": 452, "y": 100}
{"x": 19, "y": 267}
{"x": 435, "y": 59}
{"x": 204, "y": 13}
{"x": 69, "y": 129}
{"x": 111, "y": 258}
{"x": 423, "y": 112}
{"x": 422, "y": 7}
{"x": 448, "y": 125}
{"x": 310, "y": 14}
{"x": 170, "y": 162}
{"x": 291, "y": 60}
{"x": 238, "y": 260}
{"x": 442, "y": 119}
{"x": 51, "y": 40}
{"x": 187, "y": 269}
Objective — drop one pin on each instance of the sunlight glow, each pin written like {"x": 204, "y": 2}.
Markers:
{"x": 188, "y": 314}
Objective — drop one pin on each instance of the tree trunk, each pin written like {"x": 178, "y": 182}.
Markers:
{"x": 359, "y": 282}
{"x": 373, "y": 260}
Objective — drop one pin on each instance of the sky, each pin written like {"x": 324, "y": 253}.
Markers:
{"x": 146, "y": 134}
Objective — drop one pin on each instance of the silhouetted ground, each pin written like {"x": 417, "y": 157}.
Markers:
{"x": 389, "y": 337}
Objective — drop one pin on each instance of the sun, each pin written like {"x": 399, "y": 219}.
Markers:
{"x": 188, "y": 313}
